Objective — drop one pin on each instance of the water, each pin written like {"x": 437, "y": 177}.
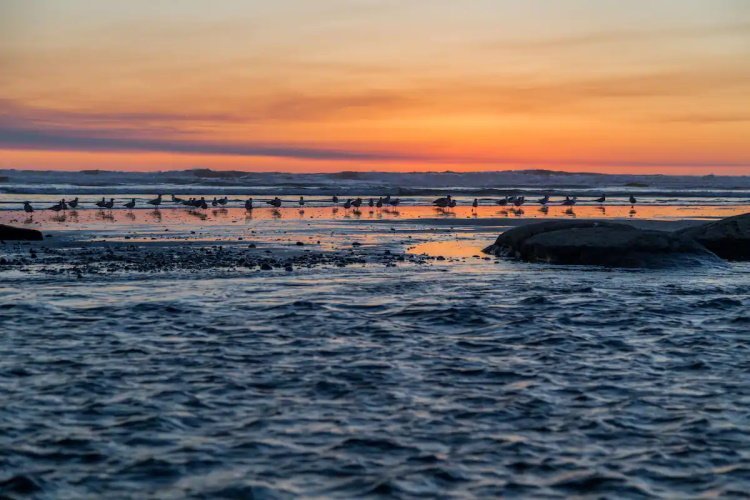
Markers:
{"x": 461, "y": 378}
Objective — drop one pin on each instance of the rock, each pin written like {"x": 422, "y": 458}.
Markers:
{"x": 728, "y": 238}
{"x": 598, "y": 243}
{"x": 11, "y": 233}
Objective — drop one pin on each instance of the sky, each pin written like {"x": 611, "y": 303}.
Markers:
{"x": 639, "y": 86}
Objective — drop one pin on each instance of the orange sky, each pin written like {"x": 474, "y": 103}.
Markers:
{"x": 585, "y": 85}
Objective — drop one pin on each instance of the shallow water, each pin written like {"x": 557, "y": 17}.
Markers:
{"x": 461, "y": 378}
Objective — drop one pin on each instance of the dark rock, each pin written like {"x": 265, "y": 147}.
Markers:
{"x": 728, "y": 238}
{"x": 11, "y": 233}
{"x": 598, "y": 243}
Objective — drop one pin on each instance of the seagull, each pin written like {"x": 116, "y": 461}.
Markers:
{"x": 73, "y": 203}
{"x": 156, "y": 201}
{"x": 249, "y": 204}
{"x": 569, "y": 202}
{"x": 544, "y": 200}
{"x": 130, "y": 204}
{"x": 276, "y": 202}
{"x": 27, "y": 207}
{"x": 101, "y": 203}
{"x": 601, "y": 199}
{"x": 57, "y": 208}
{"x": 443, "y": 202}
{"x": 632, "y": 200}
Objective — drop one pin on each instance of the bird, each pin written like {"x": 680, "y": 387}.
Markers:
{"x": 632, "y": 200}
{"x": 543, "y": 200}
{"x": 371, "y": 203}
{"x": 110, "y": 203}
{"x": 452, "y": 204}
{"x": 357, "y": 203}
{"x": 73, "y": 203}
{"x": 156, "y": 201}
{"x": 348, "y": 204}
{"x": 394, "y": 202}
{"x": 202, "y": 203}
{"x": 601, "y": 199}
{"x": 249, "y": 204}
{"x": 223, "y": 201}
{"x": 442, "y": 202}
{"x": 101, "y": 203}
{"x": 379, "y": 203}
{"x": 27, "y": 207}
{"x": 335, "y": 200}
{"x": 276, "y": 202}
{"x": 519, "y": 201}
{"x": 214, "y": 202}
{"x": 130, "y": 204}
{"x": 177, "y": 200}
{"x": 56, "y": 208}
{"x": 387, "y": 199}
{"x": 301, "y": 201}
{"x": 476, "y": 203}
{"x": 569, "y": 202}
{"x": 503, "y": 202}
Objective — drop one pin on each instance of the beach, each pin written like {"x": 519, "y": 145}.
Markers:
{"x": 322, "y": 353}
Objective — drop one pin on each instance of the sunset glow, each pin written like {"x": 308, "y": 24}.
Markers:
{"x": 581, "y": 85}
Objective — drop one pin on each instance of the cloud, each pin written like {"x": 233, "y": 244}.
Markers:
{"x": 83, "y": 140}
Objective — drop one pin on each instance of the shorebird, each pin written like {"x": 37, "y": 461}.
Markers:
{"x": 394, "y": 202}
{"x": 357, "y": 203}
{"x": 177, "y": 200}
{"x": 371, "y": 203}
{"x": 109, "y": 204}
{"x": 632, "y": 200}
{"x": 58, "y": 207}
{"x": 348, "y": 204}
{"x": 101, "y": 203}
{"x": 301, "y": 201}
{"x": 276, "y": 202}
{"x": 476, "y": 203}
{"x": 503, "y": 202}
{"x": 156, "y": 201}
{"x": 519, "y": 201}
{"x": 387, "y": 199}
{"x": 130, "y": 204}
{"x": 27, "y": 207}
{"x": 249, "y": 204}
{"x": 601, "y": 199}
{"x": 569, "y": 202}
{"x": 543, "y": 200}
{"x": 379, "y": 203}
{"x": 214, "y": 202}
{"x": 335, "y": 200}
{"x": 452, "y": 204}
{"x": 73, "y": 203}
{"x": 223, "y": 201}
{"x": 442, "y": 202}
{"x": 202, "y": 203}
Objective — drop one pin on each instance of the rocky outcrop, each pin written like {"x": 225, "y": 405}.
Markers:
{"x": 728, "y": 238}
{"x": 10, "y": 233}
{"x": 598, "y": 243}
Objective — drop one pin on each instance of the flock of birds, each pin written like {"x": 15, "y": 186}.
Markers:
{"x": 355, "y": 203}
